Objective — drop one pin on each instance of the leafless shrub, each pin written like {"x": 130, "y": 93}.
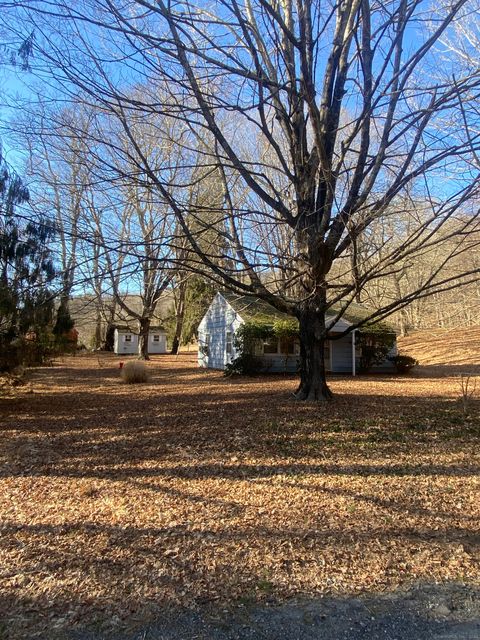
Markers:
{"x": 134, "y": 373}
{"x": 468, "y": 388}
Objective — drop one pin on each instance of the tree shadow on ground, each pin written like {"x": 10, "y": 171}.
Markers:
{"x": 234, "y": 471}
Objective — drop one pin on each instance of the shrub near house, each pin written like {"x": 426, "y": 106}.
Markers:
{"x": 254, "y": 339}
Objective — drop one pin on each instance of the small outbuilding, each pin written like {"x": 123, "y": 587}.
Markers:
{"x": 157, "y": 340}
{"x": 227, "y": 312}
{"x": 126, "y": 341}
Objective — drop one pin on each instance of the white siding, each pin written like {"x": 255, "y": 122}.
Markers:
{"x": 219, "y": 319}
{"x": 159, "y": 346}
{"x": 342, "y": 354}
{"x": 123, "y": 346}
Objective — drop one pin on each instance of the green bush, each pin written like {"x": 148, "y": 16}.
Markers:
{"x": 375, "y": 342}
{"x": 29, "y": 352}
{"x": 403, "y": 364}
{"x": 37, "y": 352}
{"x": 246, "y": 339}
{"x": 245, "y": 364}
{"x": 9, "y": 356}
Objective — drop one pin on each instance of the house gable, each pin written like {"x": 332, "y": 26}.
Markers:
{"x": 215, "y": 333}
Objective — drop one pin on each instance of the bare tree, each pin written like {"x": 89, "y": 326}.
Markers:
{"x": 326, "y": 113}
{"x": 59, "y": 179}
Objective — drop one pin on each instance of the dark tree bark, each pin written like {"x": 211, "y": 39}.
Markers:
{"x": 98, "y": 326}
{"x": 143, "y": 339}
{"x": 313, "y": 335}
{"x": 179, "y": 317}
{"x": 109, "y": 341}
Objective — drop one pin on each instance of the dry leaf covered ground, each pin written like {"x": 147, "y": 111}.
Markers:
{"x": 457, "y": 349}
{"x": 117, "y": 500}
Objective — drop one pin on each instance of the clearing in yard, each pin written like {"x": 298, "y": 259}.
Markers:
{"x": 196, "y": 491}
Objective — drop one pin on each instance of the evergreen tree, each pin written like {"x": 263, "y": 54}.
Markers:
{"x": 26, "y": 266}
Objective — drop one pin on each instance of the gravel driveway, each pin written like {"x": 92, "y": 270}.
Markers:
{"x": 446, "y": 612}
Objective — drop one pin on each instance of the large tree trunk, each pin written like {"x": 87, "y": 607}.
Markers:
{"x": 175, "y": 345}
{"x": 63, "y": 322}
{"x": 403, "y": 323}
{"x": 109, "y": 340}
{"x": 143, "y": 339}
{"x": 313, "y": 384}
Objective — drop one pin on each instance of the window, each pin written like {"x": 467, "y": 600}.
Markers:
{"x": 287, "y": 346}
{"x": 270, "y": 346}
{"x": 156, "y": 337}
{"x": 127, "y": 337}
{"x": 229, "y": 343}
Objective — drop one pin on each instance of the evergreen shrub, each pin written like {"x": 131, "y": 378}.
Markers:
{"x": 403, "y": 363}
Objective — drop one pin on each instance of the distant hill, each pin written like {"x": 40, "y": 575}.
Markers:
{"x": 83, "y": 312}
{"x": 451, "y": 347}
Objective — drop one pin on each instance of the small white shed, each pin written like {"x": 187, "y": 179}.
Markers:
{"x": 125, "y": 341}
{"x": 157, "y": 340}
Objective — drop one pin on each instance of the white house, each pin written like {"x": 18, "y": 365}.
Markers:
{"x": 126, "y": 341}
{"x": 228, "y": 312}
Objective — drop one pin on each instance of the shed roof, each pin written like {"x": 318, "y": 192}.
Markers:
{"x": 135, "y": 330}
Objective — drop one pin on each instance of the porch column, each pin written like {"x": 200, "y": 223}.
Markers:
{"x": 353, "y": 353}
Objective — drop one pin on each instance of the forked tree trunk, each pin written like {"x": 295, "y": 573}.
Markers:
{"x": 313, "y": 383}
{"x": 143, "y": 339}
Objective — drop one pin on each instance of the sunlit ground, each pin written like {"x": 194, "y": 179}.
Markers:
{"x": 117, "y": 500}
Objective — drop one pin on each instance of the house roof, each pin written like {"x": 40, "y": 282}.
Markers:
{"x": 252, "y": 308}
